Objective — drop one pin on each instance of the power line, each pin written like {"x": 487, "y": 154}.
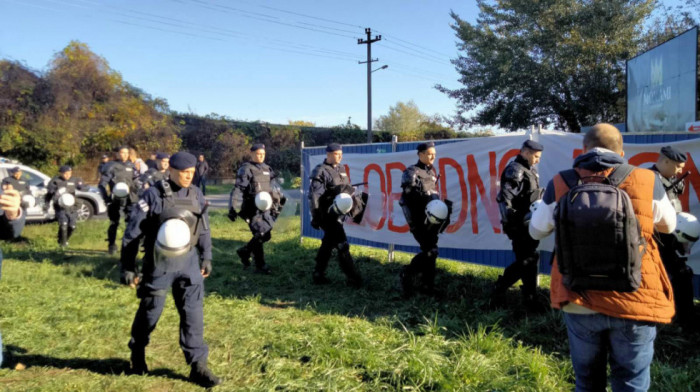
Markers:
{"x": 304, "y": 15}
{"x": 416, "y": 45}
{"x": 415, "y": 55}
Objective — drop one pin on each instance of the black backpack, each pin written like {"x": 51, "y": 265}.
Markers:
{"x": 599, "y": 243}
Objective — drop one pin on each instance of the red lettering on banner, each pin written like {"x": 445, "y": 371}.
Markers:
{"x": 506, "y": 158}
{"x": 476, "y": 184}
{"x": 394, "y": 197}
{"x": 643, "y": 157}
{"x": 368, "y": 213}
{"x": 462, "y": 185}
{"x": 693, "y": 180}
{"x": 494, "y": 184}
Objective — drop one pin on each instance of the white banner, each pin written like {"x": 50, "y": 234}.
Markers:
{"x": 469, "y": 176}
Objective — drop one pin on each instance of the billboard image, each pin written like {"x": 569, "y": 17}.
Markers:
{"x": 661, "y": 86}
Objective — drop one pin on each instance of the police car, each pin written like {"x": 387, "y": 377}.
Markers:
{"x": 89, "y": 202}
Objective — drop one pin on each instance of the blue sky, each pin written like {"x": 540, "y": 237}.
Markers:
{"x": 267, "y": 60}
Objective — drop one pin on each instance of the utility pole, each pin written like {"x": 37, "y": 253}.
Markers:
{"x": 369, "y": 62}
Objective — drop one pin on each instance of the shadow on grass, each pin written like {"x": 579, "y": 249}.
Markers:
{"x": 106, "y": 366}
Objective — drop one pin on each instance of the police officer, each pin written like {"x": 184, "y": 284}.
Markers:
{"x": 328, "y": 182}
{"x": 18, "y": 184}
{"x": 61, "y": 192}
{"x": 104, "y": 160}
{"x": 155, "y": 174}
{"x": 15, "y": 179}
{"x": 257, "y": 198}
{"x": 520, "y": 188}
{"x": 419, "y": 183}
{"x": 119, "y": 176}
{"x": 171, "y": 217}
{"x": 669, "y": 165}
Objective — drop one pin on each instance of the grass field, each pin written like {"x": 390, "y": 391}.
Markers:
{"x": 66, "y": 318}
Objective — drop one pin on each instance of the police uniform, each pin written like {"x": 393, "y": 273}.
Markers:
{"x": 419, "y": 184}
{"x": 251, "y": 179}
{"x": 520, "y": 187}
{"x": 113, "y": 173}
{"x": 153, "y": 175}
{"x": 66, "y": 216}
{"x": 182, "y": 274}
{"x": 328, "y": 181}
{"x": 20, "y": 185}
{"x": 672, "y": 250}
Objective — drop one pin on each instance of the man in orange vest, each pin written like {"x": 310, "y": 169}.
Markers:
{"x": 613, "y": 326}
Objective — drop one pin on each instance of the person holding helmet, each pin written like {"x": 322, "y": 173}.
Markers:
{"x": 331, "y": 199}
{"x": 119, "y": 176}
{"x": 520, "y": 188}
{"x": 61, "y": 192}
{"x": 427, "y": 216}
{"x": 257, "y": 198}
{"x": 171, "y": 218}
{"x": 668, "y": 167}
{"x": 155, "y": 174}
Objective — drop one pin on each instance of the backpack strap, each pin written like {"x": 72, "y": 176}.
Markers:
{"x": 570, "y": 177}
{"x": 620, "y": 174}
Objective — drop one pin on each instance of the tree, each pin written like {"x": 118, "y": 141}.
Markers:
{"x": 402, "y": 118}
{"x": 302, "y": 123}
{"x": 556, "y": 62}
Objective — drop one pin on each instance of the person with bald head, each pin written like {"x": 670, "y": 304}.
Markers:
{"x": 607, "y": 325}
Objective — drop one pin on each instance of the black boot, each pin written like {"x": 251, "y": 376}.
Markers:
{"x": 320, "y": 278}
{"x": 347, "y": 265}
{"x": 202, "y": 376}
{"x": 497, "y": 298}
{"x": 138, "y": 360}
{"x": 244, "y": 255}
{"x": 407, "y": 282}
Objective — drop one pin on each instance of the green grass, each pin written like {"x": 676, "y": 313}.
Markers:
{"x": 64, "y": 315}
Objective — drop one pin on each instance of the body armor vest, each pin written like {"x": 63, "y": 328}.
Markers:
{"x": 185, "y": 208}
{"x": 261, "y": 179}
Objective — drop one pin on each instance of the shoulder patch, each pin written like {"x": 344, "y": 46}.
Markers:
{"x": 143, "y": 205}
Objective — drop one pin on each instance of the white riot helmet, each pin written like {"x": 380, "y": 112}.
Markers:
{"x": 535, "y": 205}
{"x": 436, "y": 212}
{"x": 120, "y": 190}
{"x": 173, "y": 238}
{"x": 687, "y": 228}
{"x": 263, "y": 201}
{"x": 28, "y": 201}
{"x": 342, "y": 204}
{"x": 66, "y": 200}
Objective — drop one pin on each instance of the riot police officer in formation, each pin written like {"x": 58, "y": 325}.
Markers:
{"x": 119, "y": 176}
{"x": 332, "y": 199}
{"x": 171, "y": 217}
{"x": 520, "y": 188}
{"x": 426, "y": 216}
{"x": 257, "y": 198}
{"x": 154, "y": 174}
{"x": 669, "y": 165}
{"x": 61, "y": 192}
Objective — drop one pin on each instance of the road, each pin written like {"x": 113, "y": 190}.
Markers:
{"x": 221, "y": 201}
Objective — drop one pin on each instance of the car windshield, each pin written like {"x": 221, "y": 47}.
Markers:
{"x": 31, "y": 178}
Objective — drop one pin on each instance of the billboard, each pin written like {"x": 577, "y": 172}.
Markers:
{"x": 662, "y": 84}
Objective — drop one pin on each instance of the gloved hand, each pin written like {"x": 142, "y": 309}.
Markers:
{"x": 206, "y": 268}
{"x": 232, "y": 215}
{"x": 129, "y": 278}
{"x": 283, "y": 200}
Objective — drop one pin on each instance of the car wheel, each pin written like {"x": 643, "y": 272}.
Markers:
{"x": 84, "y": 210}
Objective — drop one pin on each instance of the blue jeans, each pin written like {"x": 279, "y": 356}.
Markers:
{"x": 596, "y": 339}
